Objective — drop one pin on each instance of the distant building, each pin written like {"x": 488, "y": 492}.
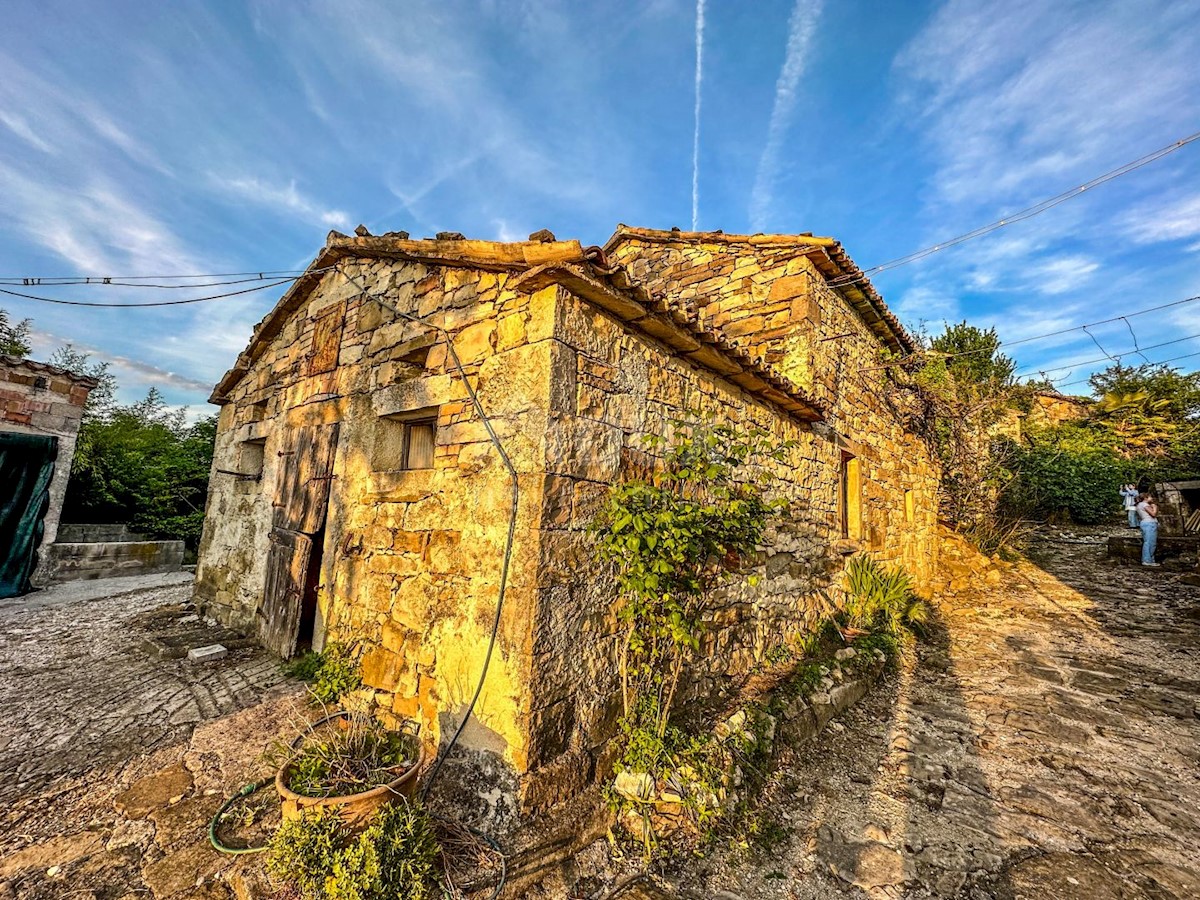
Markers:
{"x": 357, "y": 495}
{"x": 41, "y": 407}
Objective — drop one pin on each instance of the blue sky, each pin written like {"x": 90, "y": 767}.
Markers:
{"x": 223, "y": 137}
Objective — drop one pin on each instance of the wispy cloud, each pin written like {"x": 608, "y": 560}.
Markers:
{"x": 1166, "y": 219}
{"x": 696, "y": 113}
{"x": 801, "y": 28}
{"x": 285, "y": 199}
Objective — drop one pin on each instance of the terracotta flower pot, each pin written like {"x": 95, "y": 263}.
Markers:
{"x": 354, "y": 809}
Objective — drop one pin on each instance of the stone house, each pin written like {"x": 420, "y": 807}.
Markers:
{"x": 41, "y": 407}
{"x": 358, "y": 494}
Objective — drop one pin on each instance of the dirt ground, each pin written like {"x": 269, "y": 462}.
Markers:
{"x": 1045, "y": 744}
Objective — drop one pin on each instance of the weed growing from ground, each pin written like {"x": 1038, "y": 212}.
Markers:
{"x": 331, "y": 674}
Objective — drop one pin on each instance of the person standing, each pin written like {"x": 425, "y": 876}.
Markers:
{"x": 1147, "y": 511}
{"x": 1129, "y": 497}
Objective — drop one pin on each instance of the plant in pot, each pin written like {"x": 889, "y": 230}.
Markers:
{"x": 350, "y": 764}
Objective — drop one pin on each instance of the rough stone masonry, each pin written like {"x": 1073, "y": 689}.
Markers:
{"x": 357, "y": 494}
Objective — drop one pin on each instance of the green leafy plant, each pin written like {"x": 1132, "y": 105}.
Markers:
{"x": 358, "y": 757}
{"x": 331, "y": 674}
{"x": 881, "y": 599}
{"x": 671, "y": 538}
{"x": 303, "y": 851}
{"x": 394, "y": 858}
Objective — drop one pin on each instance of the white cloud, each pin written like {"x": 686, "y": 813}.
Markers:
{"x": 285, "y": 199}
{"x": 20, "y": 127}
{"x": 1172, "y": 218}
{"x": 1018, "y": 98}
{"x": 801, "y": 28}
{"x": 926, "y": 305}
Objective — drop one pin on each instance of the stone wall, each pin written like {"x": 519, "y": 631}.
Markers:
{"x": 39, "y": 399}
{"x": 412, "y": 558}
{"x": 617, "y": 388}
{"x": 63, "y": 561}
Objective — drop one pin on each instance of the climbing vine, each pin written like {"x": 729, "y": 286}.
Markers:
{"x": 672, "y": 537}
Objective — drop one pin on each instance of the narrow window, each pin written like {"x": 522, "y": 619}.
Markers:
{"x": 404, "y": 443}
{"x": 909, "y": 506}
{"x": 851, "y": 496}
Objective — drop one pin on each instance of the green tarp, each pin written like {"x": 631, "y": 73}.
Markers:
{"x": 26, "y": 467}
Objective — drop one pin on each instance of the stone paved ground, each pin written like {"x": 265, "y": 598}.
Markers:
{"x": 1048, "y": 746}
{"x": 88, "y": 714}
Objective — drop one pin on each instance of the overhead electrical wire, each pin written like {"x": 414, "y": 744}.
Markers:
{"x": 1019, "y": 216}
{"x": 1037, "y": 337}
{"x": 1116, "y": 357}
{"x": 98, "y": 304}
{"x": 1161, "y": 362}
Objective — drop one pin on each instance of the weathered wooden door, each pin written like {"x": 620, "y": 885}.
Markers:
{"x": 300, "y": 503}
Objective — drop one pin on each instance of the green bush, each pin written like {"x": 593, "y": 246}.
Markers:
{"x": 1068, "y": 473}
{"x": 302, "y": 852}
{"x": 394, "y": 858}
{"x": 331, "y": 674}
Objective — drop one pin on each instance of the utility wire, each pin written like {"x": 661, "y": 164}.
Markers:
{"x": 912, "y": 357}
{"x": 1019, "y": 216}
{"x": 98, "y": 279}
{"x": 261, "y": 287}
{"x": 1116, "y": 357}
{"x": 110, "y": 281}
{"x": 1161, "y": 362}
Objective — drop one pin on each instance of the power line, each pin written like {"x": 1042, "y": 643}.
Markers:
{"x": 112, "y": 281}
{"x": 1116, "y": 357}
{"x": 1161, "y": 362}
{"x": 1038, "y": 337}
{"x": 1021, "y": 215}
{"x": 261, "y": 287}
{"x": 97, "y": 279}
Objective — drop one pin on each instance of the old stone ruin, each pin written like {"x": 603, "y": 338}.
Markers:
{"x": 419, "y": 425}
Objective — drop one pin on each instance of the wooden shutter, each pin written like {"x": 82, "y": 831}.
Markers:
{"x": 302, "y": 482}
{"x": 327, "y": 340}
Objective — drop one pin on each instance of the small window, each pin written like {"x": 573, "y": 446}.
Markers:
{"x": 909, "y": 506}
{"x": 851, "y": 497}
{"x": 257, "y": 411}
{"x": 250, "y": 458}
{"x": 403, "y": 444}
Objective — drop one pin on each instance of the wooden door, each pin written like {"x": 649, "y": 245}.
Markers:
{"x": 288, "y": 558}
{"x": 301, "y": 502}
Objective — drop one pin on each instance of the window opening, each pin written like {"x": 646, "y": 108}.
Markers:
{"x": 851, "y": 496}
{"x": 405, "y": 443}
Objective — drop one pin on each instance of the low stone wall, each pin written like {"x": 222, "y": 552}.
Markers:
{"x": 107, "y": 559}
{"x": 74, "y": 533}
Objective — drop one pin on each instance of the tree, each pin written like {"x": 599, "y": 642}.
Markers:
{"x": 103, "y": 397}
{"x": 144, "y": 466}
{"x": 14, "y": 337}
{"x": 973, "y": 356}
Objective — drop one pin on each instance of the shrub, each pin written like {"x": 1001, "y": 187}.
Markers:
{"x": 331, "y": 673}
{"x": 303, "y": 850}
{"x": 394, "y": 858}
